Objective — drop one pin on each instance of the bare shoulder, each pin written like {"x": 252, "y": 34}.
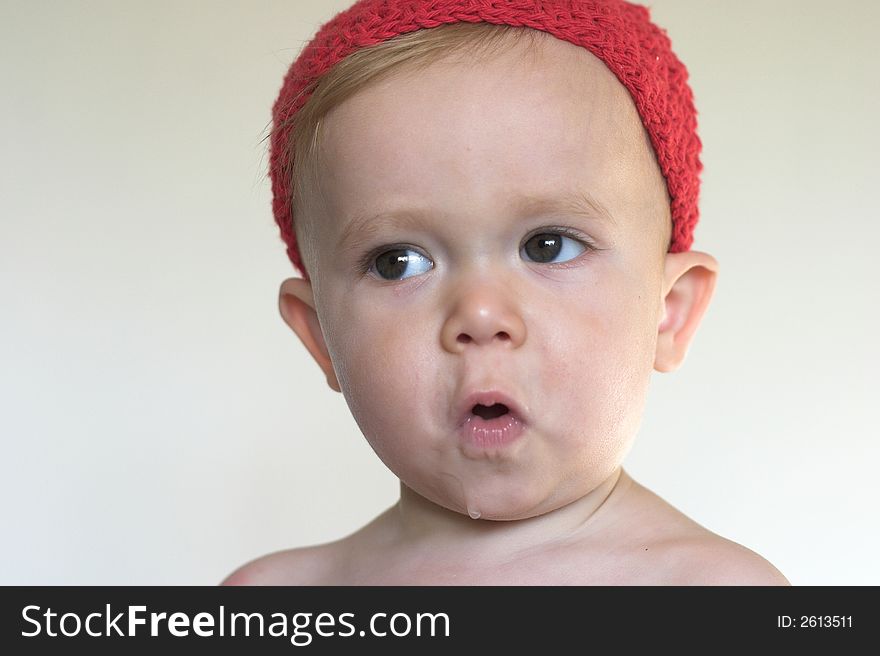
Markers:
{"x": 330, "y": 563}
{"x": 714, "y": 560}
{"x": 310, "y": 565}
{"x": 680, "y": 551}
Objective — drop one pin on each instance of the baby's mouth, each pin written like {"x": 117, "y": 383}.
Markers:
{"x": 489, "y": 406}
{"x": 490, "y": 411}
{"x": 489, "y": 427}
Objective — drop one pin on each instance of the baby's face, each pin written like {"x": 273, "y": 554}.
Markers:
{"x": 481, "y": 290}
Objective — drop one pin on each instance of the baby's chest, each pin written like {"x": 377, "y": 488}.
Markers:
{"x": 549, "y": 570}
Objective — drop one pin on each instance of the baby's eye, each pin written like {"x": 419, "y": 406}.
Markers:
{"x": 391, "y": 265}
{"x": 546, "y": 246}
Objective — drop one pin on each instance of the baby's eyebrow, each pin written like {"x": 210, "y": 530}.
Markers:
{"x": 572, "y": 203}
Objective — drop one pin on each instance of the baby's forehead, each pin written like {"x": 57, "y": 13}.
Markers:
{"x": 526, "y": 121}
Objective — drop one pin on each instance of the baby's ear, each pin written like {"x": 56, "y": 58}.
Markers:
{"x": 296, "y": 302}
{"x": 688, "y": 283}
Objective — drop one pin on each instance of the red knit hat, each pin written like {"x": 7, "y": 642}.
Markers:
{"x": 619, "y": 33}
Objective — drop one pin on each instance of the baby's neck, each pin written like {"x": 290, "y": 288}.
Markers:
{"x": 419, "y": 522}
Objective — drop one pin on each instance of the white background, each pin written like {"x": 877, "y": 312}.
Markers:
{"x": 161, "y": 425}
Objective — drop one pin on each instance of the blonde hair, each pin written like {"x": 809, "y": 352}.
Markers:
{"x": 412, "y": 51}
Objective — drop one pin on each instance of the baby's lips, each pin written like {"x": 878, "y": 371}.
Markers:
{"x": 464, "y": 409}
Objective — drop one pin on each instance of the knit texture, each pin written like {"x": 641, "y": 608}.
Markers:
{"x": 619, "y": 33}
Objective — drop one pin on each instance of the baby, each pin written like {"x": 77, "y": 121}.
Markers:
{"x": 492, "y": 205}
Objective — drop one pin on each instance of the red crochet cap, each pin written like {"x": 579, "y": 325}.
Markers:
{"x": 619, "y": 33}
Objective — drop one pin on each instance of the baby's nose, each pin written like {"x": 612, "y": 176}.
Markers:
{"x": 482, "y": 316}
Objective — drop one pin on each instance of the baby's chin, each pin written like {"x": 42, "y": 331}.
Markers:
{"x": 497, "y": 500}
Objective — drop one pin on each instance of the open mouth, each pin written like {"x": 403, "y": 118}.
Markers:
{"x": 490, "y": 427}
{"x": 490, "y": 411}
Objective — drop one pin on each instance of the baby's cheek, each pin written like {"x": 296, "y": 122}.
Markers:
{"x": 384, "y": 390}
{"x": 629, "y": 370}
{"x": 600, "y": 379}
